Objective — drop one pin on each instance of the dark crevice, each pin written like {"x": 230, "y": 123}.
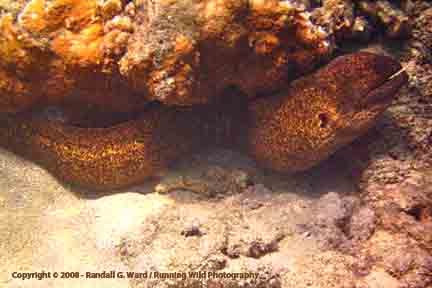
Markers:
{"x": 419, "y": 212}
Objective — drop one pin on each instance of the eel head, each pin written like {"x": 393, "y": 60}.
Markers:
{"x": 324, "y": 111}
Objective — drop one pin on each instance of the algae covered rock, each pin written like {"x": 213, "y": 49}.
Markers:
{"x": 116, "y": 55}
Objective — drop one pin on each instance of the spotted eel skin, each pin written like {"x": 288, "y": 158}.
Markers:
{"x": 288, "y": 132}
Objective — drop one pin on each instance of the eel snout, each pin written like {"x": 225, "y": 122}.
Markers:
{"x": 384, "y": 93}
{"x": 374, "y": 80}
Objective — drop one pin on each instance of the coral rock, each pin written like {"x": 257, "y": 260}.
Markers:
{"x": 116, "y": 55}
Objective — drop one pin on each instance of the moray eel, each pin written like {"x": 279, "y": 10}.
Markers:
{"x": 288, "y": 132}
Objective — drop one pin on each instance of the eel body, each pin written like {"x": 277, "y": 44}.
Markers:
{"x": 288, "y": 132}
{"x": 114, "y": 157}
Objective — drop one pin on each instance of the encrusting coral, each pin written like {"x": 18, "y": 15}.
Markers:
{"x": 55, "y": 51}
{"x": 116, "y": 55}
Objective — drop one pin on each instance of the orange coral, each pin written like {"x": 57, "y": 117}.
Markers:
{"x": 60, "y": 47}
{"x": 169, "y": 51}
{"x": 176, "y": 52}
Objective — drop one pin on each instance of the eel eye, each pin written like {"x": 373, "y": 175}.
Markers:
{"x": 324, "y": 120}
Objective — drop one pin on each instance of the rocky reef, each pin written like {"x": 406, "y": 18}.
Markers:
{"x": 116, "y": 55}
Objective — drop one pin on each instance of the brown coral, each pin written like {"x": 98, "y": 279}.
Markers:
{"x": 187, "y": 52}
{"x": 55, "y": 52}
{"x": 177, "y": 52}
{"x": 397, "y": 24}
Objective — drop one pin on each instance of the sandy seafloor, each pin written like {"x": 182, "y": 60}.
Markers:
{"x": 52, "y": 227}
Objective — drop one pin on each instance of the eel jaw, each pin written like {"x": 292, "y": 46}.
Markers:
{"x": 369, "y": 107}
{"x": 381, "y": 96}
